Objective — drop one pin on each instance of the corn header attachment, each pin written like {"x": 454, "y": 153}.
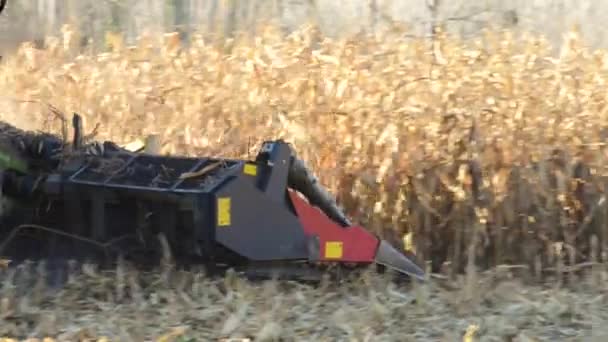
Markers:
{"x": 267, "y": 216}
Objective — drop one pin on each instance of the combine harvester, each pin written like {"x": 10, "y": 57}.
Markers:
{"x": 266, "y": 217}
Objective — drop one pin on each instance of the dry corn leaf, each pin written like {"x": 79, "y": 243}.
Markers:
{"x": 469, "y": 335}
{"x": 172, "y": 335}
{"x": 201, "y": 172}
{"x": 135, "y": 146}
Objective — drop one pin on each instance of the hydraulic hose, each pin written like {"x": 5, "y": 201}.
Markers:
{"x": 300, "y": 178}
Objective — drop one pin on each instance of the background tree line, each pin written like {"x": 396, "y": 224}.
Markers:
{"x": 34, "y": 19}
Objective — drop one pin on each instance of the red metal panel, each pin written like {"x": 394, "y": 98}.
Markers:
{"x": 337, "y": 243}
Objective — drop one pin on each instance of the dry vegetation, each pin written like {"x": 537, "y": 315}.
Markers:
{"x": 127, "y": 306}
{"x": 486, "y": 152}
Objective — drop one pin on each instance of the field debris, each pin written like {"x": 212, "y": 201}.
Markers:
{"x": 186, "y": 306}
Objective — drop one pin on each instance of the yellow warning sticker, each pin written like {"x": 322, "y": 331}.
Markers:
{"x": 333, "y": 249}
{"x": 250, "y": 169}
{"x": 223, "y": 211}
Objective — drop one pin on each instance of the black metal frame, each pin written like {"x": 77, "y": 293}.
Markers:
{"x": 124, "y": 208}
{"x": 132, "y": 198}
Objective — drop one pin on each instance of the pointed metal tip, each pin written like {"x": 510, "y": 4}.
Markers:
{"x": 390, "y": 257}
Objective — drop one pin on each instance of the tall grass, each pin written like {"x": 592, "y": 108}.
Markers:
{"x": 484, "y": 152}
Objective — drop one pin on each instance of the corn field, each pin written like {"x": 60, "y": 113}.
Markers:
{"x": 488, "y": 151}
{"x": 473, "y": 154}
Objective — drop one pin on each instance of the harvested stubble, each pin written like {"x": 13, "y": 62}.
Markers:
{"x": 485, "y": 152}
{"x": 127, "y": 305}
